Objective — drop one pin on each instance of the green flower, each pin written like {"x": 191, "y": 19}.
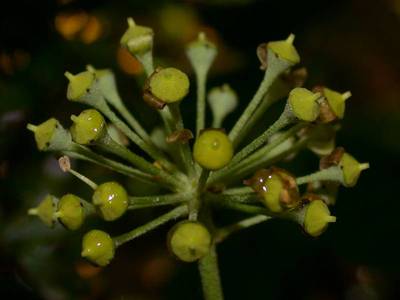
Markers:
{"x": 189, "y": 241}
{"x": 212, "y": 149}
{"x": 111, "y": 199}
{"x": 98, "y": 247}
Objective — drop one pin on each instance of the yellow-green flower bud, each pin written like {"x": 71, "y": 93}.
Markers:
{"x": 45, "y": 210}
{"x": 285, "y": 50}
{"x": 137, "y": 39}
{"x": 277, "y": 189}
{"x": 98, "y": 247}
{"x": 111, "y": 200}
{"x": 201, "y": 54}
{"x": 71, "y": 212}
{"x": 304, "y": 104}
{"x": 332, "y": 105}
{"x": 212, "y": 149}
{"x": 222, "y": 100}
{"x": 336, "y": 101}
{"x": 106, "y": 84}
{"x": 168, "y": 85}
{"x": 351, "y": 169}
{"x": 51, "y": 136}
{"x": 88, "y": 127}
{"x": 317, "y": 218}
{"x": 189, "y": 241}
{"x": 79, "y": 85}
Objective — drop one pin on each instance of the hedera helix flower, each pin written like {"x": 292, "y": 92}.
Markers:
{"x": 215, "y": 171}
{"x": 70, "y": 211}
{"x": 189, "y": 240}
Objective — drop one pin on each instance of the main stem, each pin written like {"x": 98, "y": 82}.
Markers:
{"x": 210, "y": 279}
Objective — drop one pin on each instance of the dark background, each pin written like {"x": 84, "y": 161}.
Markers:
{"x": 347, "y": 45}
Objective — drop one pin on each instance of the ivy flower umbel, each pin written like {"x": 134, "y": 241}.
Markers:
{"x": 216, "y": 171}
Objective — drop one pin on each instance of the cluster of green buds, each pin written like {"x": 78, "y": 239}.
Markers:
{"x": 215, "y": 171}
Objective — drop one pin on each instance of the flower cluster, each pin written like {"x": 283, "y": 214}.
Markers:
{"x": 216, "y": 171}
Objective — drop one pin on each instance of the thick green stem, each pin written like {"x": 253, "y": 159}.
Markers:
{"x": 210, "y": 279}
{"x": 171, "y": 215}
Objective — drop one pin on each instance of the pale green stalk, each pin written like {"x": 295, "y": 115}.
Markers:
{"x": 275, "y": 68}
{"x": 158, "y": 200}
{"x": 83, "y": 178}
{"x": 285, "y": 119}
{"x": 183, "y": 148}
{"x": 274, "y": 94}
{"x": 84, "y": 153}
{"x": 333, "y": 173}
{"x": 121, "y": 108}
{"x": 201, "y": 101}
{"x": 210, "y": 278}
{"x": 226, "y": 231}
{"x": 176, "y": 213}
{"x": 109, "y": 145}
{"x": 146, "y": 59}
{"x": 196, "y": 201}
{"x": 146, "y": 147}
{"x": 266, "y": 161}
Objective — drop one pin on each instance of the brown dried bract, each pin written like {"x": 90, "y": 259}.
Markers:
{"x": 148, "y": 97}
{"x": 64, "y": 163}
{"x": 326, "y": 114}
{"x": 295, "y": 78}
{"x": 332, "y": 159}
{"x": 181, "y": 136}
{"x": 262, "y": 54}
